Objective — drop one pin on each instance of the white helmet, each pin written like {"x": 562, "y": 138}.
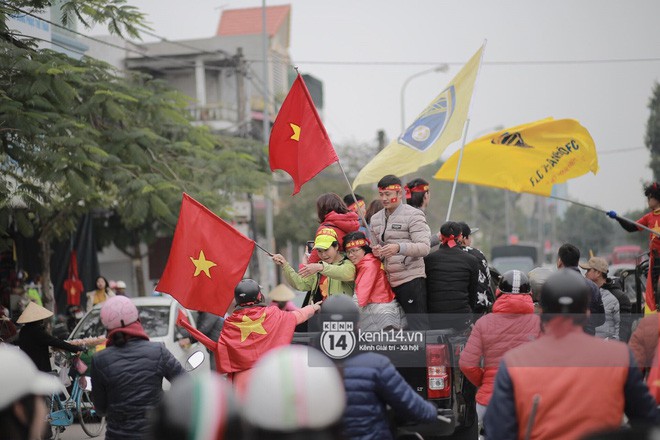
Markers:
{"x": 21, "y": 378}
{"x": 118, "y": 311}
{"x": 293, "y": 388}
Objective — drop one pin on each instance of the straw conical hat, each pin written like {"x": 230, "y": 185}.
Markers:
{"x": 281, "y": 293}
{"x": 33, "y": 312}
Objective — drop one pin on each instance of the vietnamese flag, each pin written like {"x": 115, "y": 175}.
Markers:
{"x": 207, "y": 260}
{"x": 299, "y": 143}
{"x": 249, "y": 333}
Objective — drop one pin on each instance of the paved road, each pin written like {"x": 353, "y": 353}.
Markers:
{"x": 75, "y": 432}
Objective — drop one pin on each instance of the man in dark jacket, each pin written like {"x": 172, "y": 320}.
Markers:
{"x": 372, "y": 383}
{"x": 127, "y": 376}
{"x": 452, "y": 279}
{"x": 568, "y": 256}
{"x": 485, "y": 294}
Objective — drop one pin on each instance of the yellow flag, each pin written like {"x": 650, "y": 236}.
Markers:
{"x": 422, "y": 143}
{"x": 527, "y": 158}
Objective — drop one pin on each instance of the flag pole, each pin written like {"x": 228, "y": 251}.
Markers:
{"x": 458, "y": 169}
{"x": 465, "y": 129}
{"x": 257, "y": 245}
{"x": 359, "y": 213}
{"x": 656, "y": 233}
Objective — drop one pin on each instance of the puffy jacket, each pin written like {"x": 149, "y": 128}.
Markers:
{"x": 407, "y": 227}
{"x": 341, "y": 278}
{"x": 452, "y": 277}
{"x": 644, "y": 340}
{"x": 128, "y": 383}
{"x": 371, "y": 285}
{"x": 342, "y": 224}
{"x": 511, "y": 324}
{"x": 371, "y": 383}
{"x": 582, "y": 384}
{"x": 34, "y": 341}
{"x": 610, "y": 329}
{"x": 625, "y": 308}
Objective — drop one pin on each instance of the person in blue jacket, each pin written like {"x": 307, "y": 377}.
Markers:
{"x": 372, "y": 383}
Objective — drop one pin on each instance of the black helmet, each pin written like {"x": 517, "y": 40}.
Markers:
{"x": 339, "y": 308}
{"x": 514, "y": 281}
{"x": 247, "y": 292}
{"x": 565, "y": 292}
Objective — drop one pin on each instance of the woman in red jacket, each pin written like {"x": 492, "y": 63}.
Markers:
{"x": 511, "y": 324}
{"x": 378, "y": 308}
{"x": 333, "y": 213}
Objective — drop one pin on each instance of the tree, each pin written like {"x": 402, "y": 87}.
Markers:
{"x": 587, "y": 229}
{"x": 653, "y": 132}
{"x": 76, "y": 137}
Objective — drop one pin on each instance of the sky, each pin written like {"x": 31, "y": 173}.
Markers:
{"x": 396, "y": 39}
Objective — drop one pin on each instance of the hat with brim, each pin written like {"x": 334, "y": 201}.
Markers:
{"x": 281, "y": 293}
{"x": 33, "y": 312}
{"x": 597, "y": 263}
{"x": 21, "y": 378}
{"x": 325, "y": 238}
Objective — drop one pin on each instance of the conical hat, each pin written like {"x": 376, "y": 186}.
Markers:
{"x": 281, "y": 293}
{"x": 33, "y": 312}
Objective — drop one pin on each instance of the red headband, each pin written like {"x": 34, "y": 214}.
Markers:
{"x": 416, "y": 189}
{"x": 360, "y": 204}
{"x": 357, "y": 243}
{"x": 449, "y": 241}
{"x": 395, "y": 187}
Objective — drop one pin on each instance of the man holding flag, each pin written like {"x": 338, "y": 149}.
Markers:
{"x": 250, "y": 331}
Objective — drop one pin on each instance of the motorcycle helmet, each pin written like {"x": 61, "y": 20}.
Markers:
{"x": 198, "y": 407}
{"x": 565, "y": 292}
{"x": 339, "y": 308}
{"x": 294, "y": 389}
{"x": 537, "y": 278}
{"x": 514, "y": 282}
{"x": 118, "y": 311}
{"x": 247, "y": 292}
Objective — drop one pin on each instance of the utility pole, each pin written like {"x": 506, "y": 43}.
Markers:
{"x": 241, "y": 95}
{"x": 270, "y": 236}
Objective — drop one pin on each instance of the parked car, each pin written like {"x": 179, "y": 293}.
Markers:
{"x": 158, "y": 317}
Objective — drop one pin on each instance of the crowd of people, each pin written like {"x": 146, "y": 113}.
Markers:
{"x": 549, "y": 353}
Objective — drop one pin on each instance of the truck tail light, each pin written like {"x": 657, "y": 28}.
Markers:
{"x": 438, "y": 371}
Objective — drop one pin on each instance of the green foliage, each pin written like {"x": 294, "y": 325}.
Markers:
{"x": 653, "y": 132}
{"x": 587, "y": 229}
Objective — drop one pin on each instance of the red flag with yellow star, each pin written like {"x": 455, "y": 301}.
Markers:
{"x": 207, "y": 259}
{"x": 249, "y": 333}
{"x": 298, "y": 142}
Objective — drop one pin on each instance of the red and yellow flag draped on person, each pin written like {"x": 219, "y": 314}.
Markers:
{"x": 207, "y": 259}
{"x": 298, "y": 142}
{"x": 246, "y": 335}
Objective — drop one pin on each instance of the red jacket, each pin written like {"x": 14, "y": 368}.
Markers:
{"x": 342, "y": 225}
{"x": 511, "y": 324}
{"x": 371, "y": 284}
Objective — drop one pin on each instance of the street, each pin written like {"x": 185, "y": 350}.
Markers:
{"x": 75, "y": 432}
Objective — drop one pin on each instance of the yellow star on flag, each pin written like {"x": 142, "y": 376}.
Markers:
{"x": 656, "y": 228}
{"x": 202, "y": 264}
{"x": 296, "y": 131}
{"x": 249, "y": 326}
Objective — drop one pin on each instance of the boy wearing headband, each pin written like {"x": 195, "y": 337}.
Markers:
{"x": 401, "y": 239}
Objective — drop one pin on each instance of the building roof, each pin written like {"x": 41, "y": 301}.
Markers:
{"x": 247, "y": 21}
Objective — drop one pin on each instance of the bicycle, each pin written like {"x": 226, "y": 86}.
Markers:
{"x": 78, "y": 402}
